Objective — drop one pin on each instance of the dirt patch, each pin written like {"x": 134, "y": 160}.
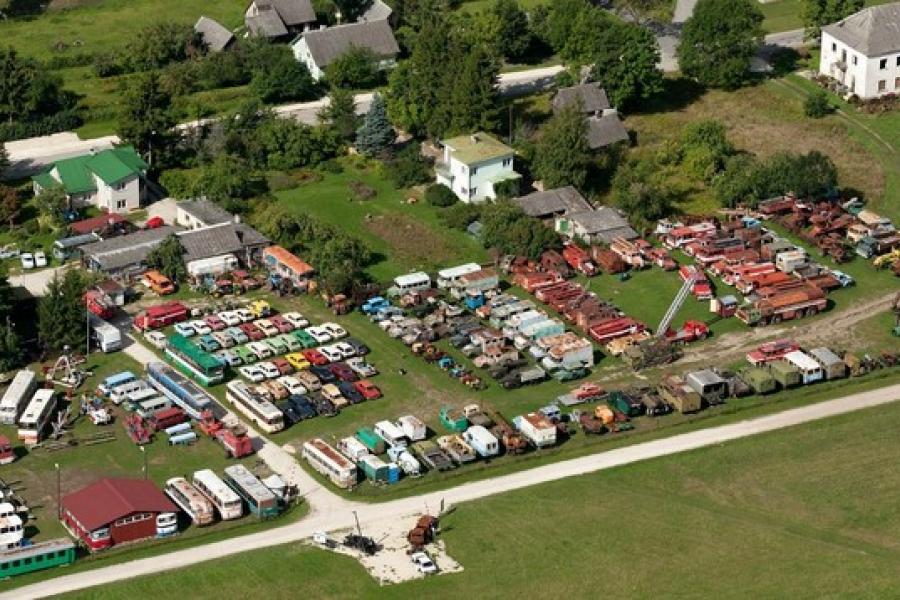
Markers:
{"x": 411, "y": 242}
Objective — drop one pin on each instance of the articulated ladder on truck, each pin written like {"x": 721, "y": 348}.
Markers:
{"x": 675, "y": 306}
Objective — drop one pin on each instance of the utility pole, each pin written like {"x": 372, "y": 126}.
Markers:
{"x": 58, "y": 494}
{"x": 87, "y": 332}
{"x": 358, "y": 528}
{"x": 146, "y": 472}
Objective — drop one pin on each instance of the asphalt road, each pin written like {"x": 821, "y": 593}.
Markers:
{"x": 331, "y": 512}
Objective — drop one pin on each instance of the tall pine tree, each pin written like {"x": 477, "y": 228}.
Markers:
{"x": 61, "y": 312}
{"x": 472, "y": 92}
{"x": 376, "y": 136}
{"x": 562, "y": 156}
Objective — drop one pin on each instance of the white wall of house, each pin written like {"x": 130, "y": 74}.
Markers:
{"x": 302, "y": 54}
{"x": 474, "y": 183}
{"x": 122, "y": 197}
{"x": 867, "y": 77}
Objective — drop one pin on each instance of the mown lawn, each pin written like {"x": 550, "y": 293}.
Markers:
{"x": 778, "y": 515}
{"x": 784, "y": 15}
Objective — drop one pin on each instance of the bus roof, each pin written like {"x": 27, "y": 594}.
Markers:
{"x": 412, "y": 278}
{"x": 118, "y": 379}
{"x": 185, "y": 347}
{"x": 454, "y": 272}
{"x": 247, "y": 481}
{"x": 215, "y": 485}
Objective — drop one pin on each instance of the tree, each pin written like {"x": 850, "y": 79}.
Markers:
{"x": 816, "y": 104}
{"x": 283, "y": 79}
{"x": 10, "y": 205}
{"x": 167, "y": 258}
{"x": 340, "y": 113}
{"x": 591, "y": 26}
{"x": 440, "y": 195}
{"x": 376, "y": 136}
{"x": 145, "y": 117}
{"x": 7, "y": 299}
{"x": 705, "y": 148}
{"x": 10, "y": 347}
{"x": 27, "y": 89}
{"x": 61, "y": 312}
{"x": 160, "y": 44}
{"x": 556, "y": 27}
{"x": 640, "y": 190}
{"x": 229, "y": 177}
{"x": 357, "y": 68}
{"x": 626, "y": 63}
{"x": 472, "y": 93}
{"x": 514, "y": 36}
{"x": 719, "y": 40}
{"x": 818, "y": 13}
{"x": 508, "y": 229}
{"x": 4, "y": 159}
{"x": 562, "y": 156}
{"x": 408, "y": 168}
{"x": 747, "y": 180}
{"x": 52, "y": 204}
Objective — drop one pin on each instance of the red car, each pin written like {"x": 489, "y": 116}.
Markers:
{"x": 368, "y": 389}
{"x": 283, "y": 366}
{"x": 343, "y": 372}
{"x": 315, "y": 357}
{"x": 215, "y": 323}
{"x": 283, "y": 325}
{"x": 252, "y": 331}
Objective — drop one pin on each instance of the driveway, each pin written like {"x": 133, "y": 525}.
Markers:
{"x": 35, "y": 282}
{"x": 29, "y": 156}
{"x": 333, "y": 513}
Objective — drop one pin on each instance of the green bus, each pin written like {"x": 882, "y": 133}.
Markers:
{"x": 35, "y": 557}
{"x": 200, "y": 366}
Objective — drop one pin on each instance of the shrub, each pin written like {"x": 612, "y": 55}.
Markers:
{"x": 408, "y": 168}
{"x": 508, "y": 188}
{"x": 460, "y": 215}
{"x": 361, "y": 191}
{"x": 440, "y": 195}
{"x": 816, "y": 104}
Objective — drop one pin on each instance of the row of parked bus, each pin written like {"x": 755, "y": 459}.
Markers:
{"x": 28, "y": 406}
{"x": 208, "y": 497}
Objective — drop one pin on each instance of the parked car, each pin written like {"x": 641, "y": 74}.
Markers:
{"x": 252, "y": 332}
{"x": 230, "y": 318}
{"x": 334, "y": 330}
{"x": 844, "y": 279}
{"x": 360, "y": 348}
{"x": 315, "y": 357}
{"x": 185, "y": 329}
{"x": 368, "y": 389}
{"x": 283, "y": 366}
{"x": 423, "y": 563}
{"x": 260, "y": 350}
{"x": 214, "y": 322}
{"x": 208, "y": 343}
{"x": 331, "y": 353}
{"x": 40, "y": 259}
{"x": 274, "y": 390}
{"x": 332, "y": 393}
{"x": 290, "y": 342}
{"x": 325, "y": 407}
{"x": 308, "y": 380}
{"x": 306, "y": 340}
{"x": 225, "y": 340}
{"x": 323, "y": 374}
{"x": 269, "y": 370}
{"x": 283, "y": 325}
{"x": 157, "y": 339}
{"x": 361, "y": 367}
{"x": 228, "y": 357}
{"x": 27, "y": 259}
{"x": 291, "y": 417}
{"x": 303, "y": 407}
{"x": 343, "y": 372}
{"x": 319, "y": 334}
{"x": 253, "y": 373}
{"x": 277, "y": 346}
{"x": 346, "y": 350}
{"x": 246, "y": 355}
{"x": 349, "y": 392}
{"x": 9, "y": 251}
{"x": 297, "y": 360}
{"x": 292, "y": 385}
{"x": 296, "y": 319}
{"x": 266, "y": 326}
{"x": 201, "y": 327}
{"x": 237, "y": 335}
{"x": 244, "y": 315}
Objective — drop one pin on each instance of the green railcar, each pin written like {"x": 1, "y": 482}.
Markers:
{"x": 36, "y": 557}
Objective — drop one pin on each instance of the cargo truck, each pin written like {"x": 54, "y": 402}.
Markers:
{"x": 785, "y": 374}
{"x": 106, "y": 336}
{"x": 673, "y": 390}
{"x": 806, "y": 300}
{"x": 759, "y": 379}
{"x": 163, "y": 315}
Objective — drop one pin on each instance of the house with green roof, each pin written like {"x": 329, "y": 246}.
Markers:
{"x": 112, "y": 179}
{"x": 473, "y": 164}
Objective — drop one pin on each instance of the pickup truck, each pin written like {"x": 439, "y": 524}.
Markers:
{"x": 457, "y": 448}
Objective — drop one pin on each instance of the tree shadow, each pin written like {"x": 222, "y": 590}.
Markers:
{"x": 678, "y": 93}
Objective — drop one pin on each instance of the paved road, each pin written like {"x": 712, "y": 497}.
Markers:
{"x": 333, "y": 513}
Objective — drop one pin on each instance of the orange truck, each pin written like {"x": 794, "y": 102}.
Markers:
{"x": 159, "y": 283}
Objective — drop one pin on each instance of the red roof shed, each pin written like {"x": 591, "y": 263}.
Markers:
{"x": 114, "y": 511}
{"x": 98, "y": 223}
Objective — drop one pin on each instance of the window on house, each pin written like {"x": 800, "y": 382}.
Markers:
{"x": 474, "y": 170}
{"x": 882, "y": 85}
{"x": 507, "y": 162}
{"x": 897, "y": 83}
{"x": 854, "y": 60}
{"x": 120, "y": 204}
{"x": 882, "y": 64}
{"x": 473, "y": 191}
{"x": 833, "y": 47}
{"x": 464, "y": 190}
{"x": 898, "y": 61}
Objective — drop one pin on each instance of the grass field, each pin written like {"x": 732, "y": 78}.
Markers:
{"x": 779, "y": 515}
{"x": 784, "y": 15}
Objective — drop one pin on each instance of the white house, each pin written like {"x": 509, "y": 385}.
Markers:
{"x": 473, "y": 164}
{"x": 112, "y": 180}
{"x": 318, "y": 48}
{"x": 862, "y": 52}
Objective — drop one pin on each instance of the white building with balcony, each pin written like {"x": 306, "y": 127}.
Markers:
{"x": 862, "y": 52}
{"x": 473, "y": 165}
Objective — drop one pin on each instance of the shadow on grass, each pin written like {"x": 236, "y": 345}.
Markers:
{"x": 678, "y": 93}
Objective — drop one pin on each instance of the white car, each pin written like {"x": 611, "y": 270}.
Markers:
{"x": 27, "y": 259}
{"x": 253, "y": 373}
{"x": 331, "y": 353}
{"x": 269, "y": 370}
{"x": 293, "y": 386}
{"x": 185, "y": 329}
{"x": 225, "y": 340}
{"x": 423, "y": 563}
{"x": 230, "y": 318}
{"x": 8, "y": 251}
{"x": 157, "y": 339}
{"x": 361, "y": 367}
{"x": 346, "y": 350}
{"x": 260, "y": 350}
{"x": 201, "y": 327}
{"x": 319, "y": 334}
{"x": 296, "y": 319}
{"x": 244, "y": 315}
{"x": 266, "y": 326}
{"x": 40, "y": 259}
{"x": 229, "y": 358}
{"x": 334, "y": 330}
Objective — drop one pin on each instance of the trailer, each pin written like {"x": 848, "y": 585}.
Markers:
{"x": 392, "y": 435}
{"x": 785, "y": 374}
{"x": 832, "y": 364}
{"x": 162, "y": 315}
{"x": 375, "y": 469}
{"x": 457, "y": 448}
{"x": 539, "y": 430}
{"x": 413, "y": 427}
{"x": 17, "y": 396}
{"x": 371, "y": 440}
{"x": 433, "y": 457}
{"x": 805, "y": 300}
{"x": 453, "y": 419}
{"x": 483, "y": 441}
{"x": 107, "y": 336}
{"x": 610, "y": 329}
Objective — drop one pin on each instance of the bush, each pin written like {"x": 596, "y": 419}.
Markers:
{"x": 61, "y": 121}
{"x": 179, "y": 183}
{"x": 408, "y": 168}
{"x": 361, "y": 191}
{"x": 331, "y": 166}
{"x": 460, "y": 215}
{"x": 107, "y": 65}
{"x": 508, "y": 188}
{"x": 357, "y": 68}
{"x": 440, "y": 195}
{"x": 816, "y": 104}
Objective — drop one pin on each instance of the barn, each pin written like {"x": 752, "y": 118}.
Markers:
{"x": 116, "y": 511}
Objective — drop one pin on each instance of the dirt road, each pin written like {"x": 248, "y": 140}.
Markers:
{"x": 334, "y": 513}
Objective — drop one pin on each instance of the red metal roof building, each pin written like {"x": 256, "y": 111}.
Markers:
{"x": 98, "y": 224}
{"x": 115, "y": 511}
